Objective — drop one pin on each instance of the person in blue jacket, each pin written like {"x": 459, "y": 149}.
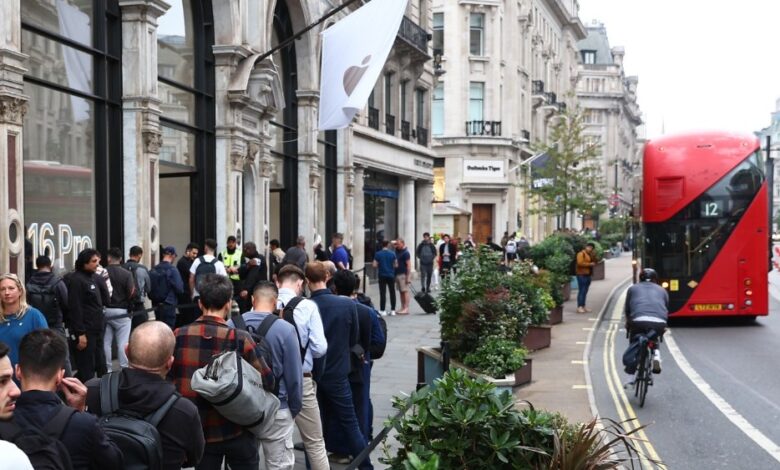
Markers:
{"x": 16, "y": 317}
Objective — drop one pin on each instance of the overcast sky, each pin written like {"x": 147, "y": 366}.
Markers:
{"x": 702, "y": 64}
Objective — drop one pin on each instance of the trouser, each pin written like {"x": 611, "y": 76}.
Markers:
{"x": 389, "y": 284}
{"x": 88, "y": 359}
{"x": 277, "y": 442}
{"x": 189, "y": 315}
{"x": 167, "y": 314}
{"x": 446, "y": 266}
{"x": 138, "y": 318}
{"x": 361, "y": 399}
{"x": 68, "y": 369}
{"x": 119, "y": 328}
{"x": 426, "y": 272}
{"x": 335, "y": 399}
{"x": 309, "y": 425}
{"x": 583, "y": 283}
{"x": 240, "y": 453}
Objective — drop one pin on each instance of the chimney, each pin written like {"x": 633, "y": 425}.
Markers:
{"x": 617, "y": 55}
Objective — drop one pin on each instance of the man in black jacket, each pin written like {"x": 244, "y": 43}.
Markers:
{"x": 48, "y": 293}
{"x": 117, "y": 319}
{"x": 253, "y": 270}
{"x": 85, "y": 307}
{"x": 143, "y": 389}
{"x": 40, "y": 370}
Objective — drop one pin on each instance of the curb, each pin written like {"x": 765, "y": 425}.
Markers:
{"x": 586, "y": 352}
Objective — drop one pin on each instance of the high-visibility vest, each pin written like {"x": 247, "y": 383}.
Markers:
{"x": 232, "y": 260}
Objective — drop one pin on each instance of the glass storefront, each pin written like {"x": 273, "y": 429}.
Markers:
{"x": 71, "y": 126}
{"x": 380, "y": 193}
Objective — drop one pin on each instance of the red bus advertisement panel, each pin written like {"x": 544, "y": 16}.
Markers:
{"x": 705, "y": 223}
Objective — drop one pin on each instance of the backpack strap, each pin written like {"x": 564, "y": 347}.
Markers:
{"x": 109, "y": 393}
{"x": 56, "y": 426}
{"x": 288, "y": 312}
{"x": 265, "y": 325}
{"x": 157, "y": 416}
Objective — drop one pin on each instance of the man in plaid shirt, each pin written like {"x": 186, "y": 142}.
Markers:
{"x": 195, "y": 344}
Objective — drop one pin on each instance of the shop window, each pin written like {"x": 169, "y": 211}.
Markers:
{"x": 72, "y": 144}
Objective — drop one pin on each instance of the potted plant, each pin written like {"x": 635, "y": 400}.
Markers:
{"x": 555, "y": 254}
{"x": 462, "y": 423}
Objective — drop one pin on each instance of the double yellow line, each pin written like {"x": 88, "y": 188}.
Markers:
{"x": 614, "y": 385}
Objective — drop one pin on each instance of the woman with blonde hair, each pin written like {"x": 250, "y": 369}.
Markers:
{"x": 16, "y": 317}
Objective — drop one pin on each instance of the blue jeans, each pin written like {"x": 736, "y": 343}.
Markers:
{"x": 166, "y": 314}
{"x": 583, "y": 283}
{"x": 336, "y": 406}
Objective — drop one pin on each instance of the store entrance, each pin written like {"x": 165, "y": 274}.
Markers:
{"x": 175, "y": 220}
{"x": 482, "y": 222}
{"x": 381, "y": 223}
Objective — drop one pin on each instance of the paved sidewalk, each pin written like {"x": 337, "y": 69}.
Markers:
{"x": 558, "y": 383}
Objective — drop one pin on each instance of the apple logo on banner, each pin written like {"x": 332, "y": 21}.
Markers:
{"x": 353, "y": 75}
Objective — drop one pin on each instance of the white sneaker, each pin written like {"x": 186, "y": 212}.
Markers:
{"x": 392, "y": 313}
{"x": 383, "y": 313}
{"x": 656, "y": 362}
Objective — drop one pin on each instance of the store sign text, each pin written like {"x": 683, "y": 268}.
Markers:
{"x": 56, "y": 244}
{"x": 481, "y": 169}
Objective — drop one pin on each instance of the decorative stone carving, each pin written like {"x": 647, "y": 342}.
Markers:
{"x": 266, "y": 168}
{"x": 253, "y": 149}
{"x": 152, "y": 141}
{"x": 314, "y": 177}
{"x": 12, "y": 110}
{"x": 237, "y": 160}
{"x": 350, "y": 180}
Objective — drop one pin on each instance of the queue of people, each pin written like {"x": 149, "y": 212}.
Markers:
{"x": 315, "y": 352}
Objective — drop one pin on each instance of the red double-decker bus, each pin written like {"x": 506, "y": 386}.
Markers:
{"x": 705, "y": 223}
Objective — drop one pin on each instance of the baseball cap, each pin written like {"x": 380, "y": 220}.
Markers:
{"x": 169, "y": 250}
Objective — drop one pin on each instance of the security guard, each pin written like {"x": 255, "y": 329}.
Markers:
{"x": 231, "y": 258}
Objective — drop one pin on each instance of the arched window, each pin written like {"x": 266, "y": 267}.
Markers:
{"x": 72, "y": 143}
{"x": 185, "y": 73}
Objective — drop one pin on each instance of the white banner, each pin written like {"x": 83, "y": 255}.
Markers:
{"x": 354, "y": 51}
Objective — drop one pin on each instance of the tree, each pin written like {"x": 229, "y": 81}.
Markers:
{"x": 571, "y": 177}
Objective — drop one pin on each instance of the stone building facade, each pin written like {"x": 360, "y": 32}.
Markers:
{"x": 612, "y": 118}
{"x": 160, "y": 122}
{"x": 504, "y": 71}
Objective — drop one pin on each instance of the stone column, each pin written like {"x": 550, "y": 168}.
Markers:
{"x": 13, "y": 106}
{"x": 141, "y": 125}
{"x": 424, "y": 222}
{"x": 358, "y": 219}
{"x": 406, "y": 213}
{"x": 308, "y": 167}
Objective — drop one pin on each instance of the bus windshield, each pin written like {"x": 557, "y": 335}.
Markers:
{"x": 686, "y": 244}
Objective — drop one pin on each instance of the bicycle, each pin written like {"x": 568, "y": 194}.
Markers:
{"x": 644, "y": 371}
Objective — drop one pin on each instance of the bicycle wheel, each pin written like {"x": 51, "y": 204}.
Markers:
{"x": 646, "y": 365}
{"x": 641, "y": 373}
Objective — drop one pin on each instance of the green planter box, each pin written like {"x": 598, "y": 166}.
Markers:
{"x": 429, "y": 368}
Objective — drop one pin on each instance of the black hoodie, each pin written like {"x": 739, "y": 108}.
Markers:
{"x": 44, "y": 278}
{"x": 143, "y": 392}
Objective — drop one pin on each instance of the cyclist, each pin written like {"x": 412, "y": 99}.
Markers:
{"x": 647, "y": 309}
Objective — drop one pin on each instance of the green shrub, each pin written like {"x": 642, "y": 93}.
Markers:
{"x": 497, "y": 357}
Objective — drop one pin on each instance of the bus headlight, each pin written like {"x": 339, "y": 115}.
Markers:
{"x": 665, "y": 285}
{"x": 748, "y": 303}
{"x": 748, "y": 281}
{"x": 748, "y": 292}
{"x": 730, "y": 307}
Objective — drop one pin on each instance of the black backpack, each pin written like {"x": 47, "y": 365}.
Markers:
{"x": 42, "y": 445}
{"x": 262, "y": 348}
{"x": 158, "y": 284}
{"x": 135, "y": 435}
{"x": 204, "y": 268}
{"x": 378, "y": 350}
{"x": 44, "y": 298}
{"x": 288, "y": 314}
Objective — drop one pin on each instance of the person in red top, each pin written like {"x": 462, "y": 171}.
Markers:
{"x": 195, "y": 344}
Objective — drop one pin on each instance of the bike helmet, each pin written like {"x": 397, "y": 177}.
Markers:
{"x": 648, "y": 274}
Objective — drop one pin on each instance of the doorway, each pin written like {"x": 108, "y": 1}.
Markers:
{"x": 381, "y": 216}
{"x": 175, "y": 220}
{"x": 482, "y": 222}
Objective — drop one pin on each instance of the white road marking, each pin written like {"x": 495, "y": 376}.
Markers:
{"x": 720, "y": 403}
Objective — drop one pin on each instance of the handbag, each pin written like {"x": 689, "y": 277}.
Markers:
{"x": 235, "y": 389}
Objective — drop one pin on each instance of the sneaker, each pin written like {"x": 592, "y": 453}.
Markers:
{"x": 587, "y": 310}
{"x": 580, "y": 309}
{"x": 656, "y": 362}
{"x": 392, "y": 313}
{"x": 383, "y": 313}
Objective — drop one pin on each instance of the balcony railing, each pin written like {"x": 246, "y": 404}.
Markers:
{"x": 491, "y": 128}
{"x": 406, "y": 130}
{"x": 414, "y": 35}
{"x": 422, "y": 136}
{"x": 552, "y": 98}
{"x": 525, "y": 135}
{"x": 390, "y": 124}
{"x": 537, "y": 87}
{"x": 373, "y": 118}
